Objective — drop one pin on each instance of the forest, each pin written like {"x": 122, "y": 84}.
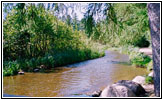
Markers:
{"x": 53, "y": 34}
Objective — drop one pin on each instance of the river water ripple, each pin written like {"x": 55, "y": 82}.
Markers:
{"x": 75, "y": 79}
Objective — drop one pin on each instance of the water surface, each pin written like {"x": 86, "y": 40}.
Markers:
{"x": 73, "y": 80}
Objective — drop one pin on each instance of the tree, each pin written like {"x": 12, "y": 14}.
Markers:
{"x": 75, "y": 22}
{"x": 154, "y": 20}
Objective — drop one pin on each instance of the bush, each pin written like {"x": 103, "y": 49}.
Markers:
{"x": 142, "y": 42}
{"x": 149, "y": 79}
{"x": 140, "y": 60}
{"x": 10, "y": 68}
{"x": 150, "y": 65}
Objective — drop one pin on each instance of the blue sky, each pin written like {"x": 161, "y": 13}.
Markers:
{"x": 79, "y": 9}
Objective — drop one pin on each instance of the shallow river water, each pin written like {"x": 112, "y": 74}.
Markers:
{"x": 73, "y": 80}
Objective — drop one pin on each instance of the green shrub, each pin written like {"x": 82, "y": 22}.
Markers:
{"x": 140, "y": 60}
{"x": 150, "y": 65}
{"x": 149, "y": 79}
{"x": 10, "y": 68}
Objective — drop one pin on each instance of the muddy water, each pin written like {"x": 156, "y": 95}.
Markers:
{"x": 73, "y": 80}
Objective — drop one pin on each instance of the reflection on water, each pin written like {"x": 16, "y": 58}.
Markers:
{"x": 79, "y": 78}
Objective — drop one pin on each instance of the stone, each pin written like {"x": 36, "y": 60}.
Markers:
{"x": 136, "y": 88}
{"x": 36, "y": 70}
{"x": 43, "y": 67}
{"x": 96, "y": 93}
{"x": 139, "y": 79}
{"x": 148, "y": 87}
{"x": 117, "y": 90}
{"x": 152, "y": 95}
{"x": 150, "y": 74}
{"x": 21, "y": 73}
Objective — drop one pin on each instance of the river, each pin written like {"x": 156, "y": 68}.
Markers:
{"x": 75, "y": 79}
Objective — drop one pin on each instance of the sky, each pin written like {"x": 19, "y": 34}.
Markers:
{"x": 79, "y": 9}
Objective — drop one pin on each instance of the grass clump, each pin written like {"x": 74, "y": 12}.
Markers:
{"x": 149, "y": 80}
{"x": 10, "y": 68}
{"x": 140, "y": 60}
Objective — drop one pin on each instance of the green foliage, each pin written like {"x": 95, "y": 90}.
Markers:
{"x": 140, "y": 60}
{"x": 89, "y": 25}
{"x": 10, "y": 68}
{"x": 150, "y": 65}
{"x": 33, "y": 36}
{"x": 125, "y": 24}
{"x": 149, "y": 79}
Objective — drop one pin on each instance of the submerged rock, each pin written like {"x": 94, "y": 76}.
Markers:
{"x": 117, "y": 90}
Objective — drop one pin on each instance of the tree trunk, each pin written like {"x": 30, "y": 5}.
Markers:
{"x": 154, "y": 21}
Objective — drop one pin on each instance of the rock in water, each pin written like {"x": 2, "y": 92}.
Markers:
{"x": 21, "y": 73}
{"x": 96, "y": 93}
{"x": 136, "y": 88}
{"x": 139, "y": 79}
{"x": 117, "y": 90}
{"x": 150, "y": 74}
{"x": 43, "y": 67}
{"x": 36, "y": 70}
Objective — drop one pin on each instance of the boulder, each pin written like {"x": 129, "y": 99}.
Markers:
{"x": 139, "y": 79}
{"x": 96, "y": 93}
{"x": 136, "y": 88}
{"x": 148, "y": 87}
{"x": 150, "y": 74}
{"x": 117, "y": 90}
{"x": 21, "y": 73}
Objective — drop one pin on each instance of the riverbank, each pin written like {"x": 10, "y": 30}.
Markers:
{"x": 140, "y": 57}
{"x": 49, "y": 61}
{"x": 137, "y": 56}
{"x": 75, "y": 79}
